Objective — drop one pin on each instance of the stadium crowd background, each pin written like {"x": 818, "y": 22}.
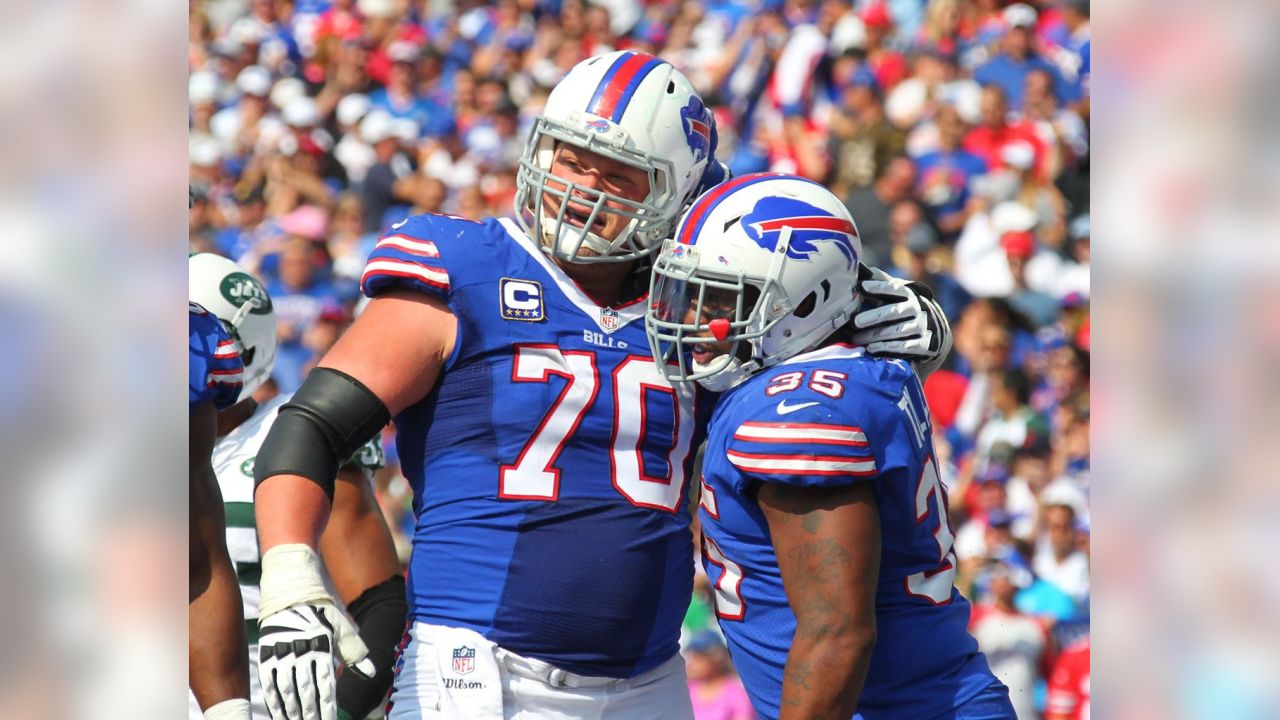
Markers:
{"x": 957, "y": 131}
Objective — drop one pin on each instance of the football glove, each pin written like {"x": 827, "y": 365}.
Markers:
{"x": 300, "y": 628}
{"x": 901, "y": 319}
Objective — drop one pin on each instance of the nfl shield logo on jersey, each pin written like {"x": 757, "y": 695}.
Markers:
{"x": 464, "y": 660}
{"x": 609, "y": 319}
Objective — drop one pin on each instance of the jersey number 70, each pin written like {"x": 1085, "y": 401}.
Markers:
{"x": 534, "y": 476}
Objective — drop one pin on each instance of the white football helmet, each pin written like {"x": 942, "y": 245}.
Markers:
{"x": 633, "y": 108}
{"x": 762, "y": 268}
{"x": 242, "y": 304}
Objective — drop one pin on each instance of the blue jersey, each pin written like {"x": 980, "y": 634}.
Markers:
{"x": 550, "y": 463}
{"x": 214, "y": 369}
{"x": 834, "y": 417}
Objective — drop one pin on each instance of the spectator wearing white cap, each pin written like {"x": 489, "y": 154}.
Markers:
{"x": 980, "y": 263}
{"x": 1037, "y": 194}
{"x": 1017, "y": 57}
{"x": 202, "y": 96}
{"x": 285, "y": 91}
{"x": 206, "y": 160}
{"x": 236, "y": 127}
{"x": 351, "y": 150}
{"x": 382, "y": 186}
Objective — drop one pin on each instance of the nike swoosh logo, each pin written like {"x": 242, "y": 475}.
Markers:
{"x": 785, "y": 409}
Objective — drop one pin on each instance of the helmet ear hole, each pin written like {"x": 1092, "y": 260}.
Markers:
{"x": 671, "y": 88}
{"x": 807, "y": 305}
{"x": 826, "y": 290}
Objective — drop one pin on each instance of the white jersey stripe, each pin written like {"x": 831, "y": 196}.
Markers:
{"x": 825, "y": 435}
{"x": 431, "y": 276}
{"x": 801, "y": 464}
{"x": 426, "y": 248}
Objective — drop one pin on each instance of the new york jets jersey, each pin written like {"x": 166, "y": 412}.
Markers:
{"x": 233, "y": 458}
{"x": 826, "y": 418}
{"x": 550, "y": 463}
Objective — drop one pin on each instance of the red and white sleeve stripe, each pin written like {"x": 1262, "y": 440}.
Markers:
{"x": 399, "y": 257}
{"x": 782, "y": 448}
{"x": 810, "y": 433}
{"x": 801, "y": 464}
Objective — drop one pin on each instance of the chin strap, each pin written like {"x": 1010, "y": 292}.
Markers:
{"x": 735, "y": 373}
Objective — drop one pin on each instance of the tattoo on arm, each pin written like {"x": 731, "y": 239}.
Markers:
{"x": 827, "y": 542}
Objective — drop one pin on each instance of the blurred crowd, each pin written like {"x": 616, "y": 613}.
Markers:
{"x": 956, "y": 130}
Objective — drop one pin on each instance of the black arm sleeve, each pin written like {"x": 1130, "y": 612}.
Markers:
{"x": 322, "y": 425}
{"x": 380, "y": 613}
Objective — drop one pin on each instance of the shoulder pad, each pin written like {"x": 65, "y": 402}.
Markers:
{"x": 215, "y": 367}
{"x": 798, "y": 436}
{"x": 414, "y": 254}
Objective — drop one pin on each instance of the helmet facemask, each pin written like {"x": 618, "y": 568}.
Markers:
{"x": 708, "y": 325}
{"x": 552, "y": 224}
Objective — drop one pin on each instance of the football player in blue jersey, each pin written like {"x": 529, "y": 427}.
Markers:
{"x": 825, "y": 526}
{"x": 548, "y": 454}
{"x": 219, "y": 669}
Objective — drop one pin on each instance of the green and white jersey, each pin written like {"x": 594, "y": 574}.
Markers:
{"x": 233, "y": 458}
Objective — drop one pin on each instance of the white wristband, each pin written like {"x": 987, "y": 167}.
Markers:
{"x": 233, "y": 709}
{"x": 290, "y": 576}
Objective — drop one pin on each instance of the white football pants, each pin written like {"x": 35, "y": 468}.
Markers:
{"x": 533, "y": 689}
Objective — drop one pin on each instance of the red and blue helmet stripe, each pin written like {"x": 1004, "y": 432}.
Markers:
{"x": 702, "y": 208}
{"x": 619, "y": 84}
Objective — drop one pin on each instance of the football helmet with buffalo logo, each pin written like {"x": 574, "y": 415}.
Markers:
{"x": 631, "y": 108}
{"x": 761, "y": 268}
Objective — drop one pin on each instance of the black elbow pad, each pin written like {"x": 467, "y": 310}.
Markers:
{"x": 322, "y": 425}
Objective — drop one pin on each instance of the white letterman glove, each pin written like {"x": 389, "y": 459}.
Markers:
{"x": 901, "y": 320}
{"x": 300, "y": 627}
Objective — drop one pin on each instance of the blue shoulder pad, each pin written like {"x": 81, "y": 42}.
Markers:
{"x": 409, "y": 255}
{"x": 795, "y": 435}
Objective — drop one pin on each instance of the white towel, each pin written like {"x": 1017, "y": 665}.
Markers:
{"x": 470, "y": 685}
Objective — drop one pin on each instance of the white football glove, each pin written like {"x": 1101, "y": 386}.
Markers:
{"x": 901, "y": 319}
{"x": 300, "y": 626}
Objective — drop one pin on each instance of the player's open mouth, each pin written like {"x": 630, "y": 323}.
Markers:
{"x": 576, "y": 216}
{"x": 703, "y": 353}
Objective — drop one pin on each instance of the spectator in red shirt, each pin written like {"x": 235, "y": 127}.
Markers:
{"x": 889, "y": 66}
{"x": 1068, "y": 697}
{"x": 996, "y": 131}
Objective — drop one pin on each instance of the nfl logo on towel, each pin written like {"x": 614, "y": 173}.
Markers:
{"x": 464, "y": 660}
{"x": 609, "y": 319}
